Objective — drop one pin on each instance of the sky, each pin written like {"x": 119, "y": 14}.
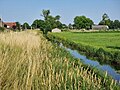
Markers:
{"x": 29, "y": 10}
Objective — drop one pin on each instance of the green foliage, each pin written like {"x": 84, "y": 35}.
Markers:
{"x": 70, "y": 26}
{"x": 105, "y": 17}
{"x": 26, "y": 26}
{"x": 117, "y": 56}
{"x": 18, "y": 25}
{"x": 112, "y": 24}
{"x": 50, "y": 22}
{"x": 105, "y": 20}
{"x": 38, "y": 24}
{"x": 116, "y": 24}
{"x": 2, "y": 29}
{"x": 57, "y": 17}
{"x": 82, "y": 22}
{"x": 45, "y": 14}
{"x": 64, "y": 26}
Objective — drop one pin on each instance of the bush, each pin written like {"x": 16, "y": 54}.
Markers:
{"x": 2, "y": 29}
{"x": 117, "y": 56}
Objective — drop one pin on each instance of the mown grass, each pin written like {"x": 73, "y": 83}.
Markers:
{"x": 29, "y": 62}
{"x": 104, "y": 40}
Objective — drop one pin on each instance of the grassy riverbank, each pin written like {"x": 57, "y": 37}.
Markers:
{"x": 103, "y": 46}
{"x": 28, "y": 61}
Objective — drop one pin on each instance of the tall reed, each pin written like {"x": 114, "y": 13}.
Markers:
{"x": 29, "y": 62}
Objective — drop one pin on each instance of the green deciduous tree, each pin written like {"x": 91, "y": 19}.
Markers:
{"x": 50, "y": 22}
{"x": 57, "y": 17}
{"x": 64, "y": 26}
{"x": 45, "y": 14}
{"x": 70, "y": 26}
{"x": 105, "y": 17}
{"x": 116, "y": 24}
{"x": 37, "y": 24}
{"x": 82, "y": 22}
{"x": 18, "y": 26}
{"x": 26, "y": 26}
{"x": 111, "y": 26}
{"x": 105, "y": 20}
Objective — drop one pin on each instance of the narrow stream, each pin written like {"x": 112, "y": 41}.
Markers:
{"x": 111, "y": 71}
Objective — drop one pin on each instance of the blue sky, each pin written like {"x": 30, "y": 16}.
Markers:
{"x": 29, "y": 10}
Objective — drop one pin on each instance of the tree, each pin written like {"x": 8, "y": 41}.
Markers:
{"x": 37, "y": 24}
{"x": 105, "y": 17}
{"x": 111, "y": 26}
{"x": 105, "y": 20}
{"x": 18, "y": 26}
{"x": 50, "y": 22}
{"x": 116, "y": 24}
{"x": 57, "y": 17}
{"x": 26, "y": 26}
{"x": 45, "y": 14}
{"x": 59, "y": 24}
{"x": 70, "y": 26}
{"x": 82, "y": 22}
{"x": 64, "y": 26}
{"x": 2, "y": 29}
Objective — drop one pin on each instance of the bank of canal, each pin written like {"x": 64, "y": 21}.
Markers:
{"x": 104, "y": 67}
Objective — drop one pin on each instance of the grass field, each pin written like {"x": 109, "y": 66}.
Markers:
{"x": 108, "y": 41}
{"x": 101, "y": 46}
{"x": 29, "y": 62}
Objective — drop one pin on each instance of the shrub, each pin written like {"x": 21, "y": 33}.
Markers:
{"x": 2, "y": 29}
{"x": 117, "y": 56}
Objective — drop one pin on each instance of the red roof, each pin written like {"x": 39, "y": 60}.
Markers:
{"x": 10, "y": 24}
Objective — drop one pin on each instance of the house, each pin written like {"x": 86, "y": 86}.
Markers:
{"x": 56, "y": 30}
{"x": 100, "y": 27}
{"x": 10, "y": 25}
{"x": 1, "y": 23}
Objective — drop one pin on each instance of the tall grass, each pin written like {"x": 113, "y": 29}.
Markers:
{"x": 29, "y": 62}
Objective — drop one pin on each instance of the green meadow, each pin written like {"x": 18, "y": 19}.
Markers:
{"x": 108, "y": 41}
{"x": 102, "y": 46}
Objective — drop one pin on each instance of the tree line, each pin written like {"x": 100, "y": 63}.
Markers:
{"x": 80, "y": 22}
{"x": 107, "y": 21}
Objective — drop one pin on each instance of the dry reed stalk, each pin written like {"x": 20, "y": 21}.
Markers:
{"x": 28, "y": 61}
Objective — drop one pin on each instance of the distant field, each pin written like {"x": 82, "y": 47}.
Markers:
{"x": 108, "y": 41}
{"x": 101, "y": 46}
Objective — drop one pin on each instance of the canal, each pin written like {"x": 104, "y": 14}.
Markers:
{"x": 104, "y": 67}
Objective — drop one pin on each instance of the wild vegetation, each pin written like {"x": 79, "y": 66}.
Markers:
{"x": 82, "y": 22}
{"x": 50, "y": 22}
{"x": 102, "y": 46}
{"x": 28, "y": 61}
{"x": 107, "y": 21}
{"x": 2, "y": 29}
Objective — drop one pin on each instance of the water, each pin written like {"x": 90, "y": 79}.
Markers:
{"x": 111, "y": 71}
